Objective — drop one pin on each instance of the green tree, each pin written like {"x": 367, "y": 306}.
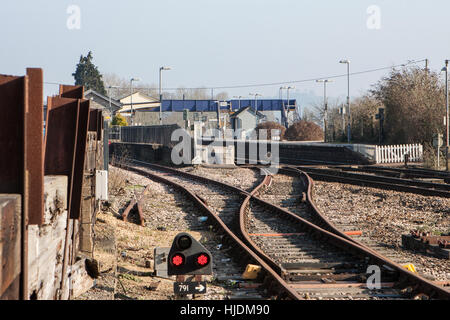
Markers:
{"x": 119, "y": 120}
{"x": 87, "y": 75}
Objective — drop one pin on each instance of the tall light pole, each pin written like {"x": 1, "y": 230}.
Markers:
{"x": 131, "y": 97}
{"x": 111, "y": 87}
{"x": 256, "y": 105}
{"x": 280, "y": 94}
{"x": 349, "y": 133}
{"x": 289, "y": 104}
{"x": 239, "y": 99}
{"x": 446, "y": 116}
{"x": 161, "y": 69}
{"x": 325, "y": 106}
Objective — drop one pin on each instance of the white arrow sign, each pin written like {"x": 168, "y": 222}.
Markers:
{"x": 200, "y": 288}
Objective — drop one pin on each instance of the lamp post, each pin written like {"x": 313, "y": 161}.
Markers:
{"x": 349, "y": 133}
{"x": 289, "y": 105}
{"x": 445, "y": 69}
{"x": 110, "y": 108}
{"x": 280, "y": 94}
{"x": 131, "y": 97}
{"x": 256, "y": 105}
{"x": 325, "y": 106}
{"x": 239, "y": 99}
{"x": 161, "y": 69}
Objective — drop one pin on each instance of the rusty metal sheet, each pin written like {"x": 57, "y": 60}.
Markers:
{"x": 96, "y": 122}
{"x": 71, "y": 91}
{"x": 93, "y": 122}
{"x": 65, "y": 145}
{"x": 60, "y": 135}
{"x": 99, "y": 124}
{"x": 34, "y": 156}
{"x": 80, "y": 156}
{"x": 12, "y": 163}
{"x": 10, "y": 243}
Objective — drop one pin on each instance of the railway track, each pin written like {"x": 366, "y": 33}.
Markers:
{"x": 220, "y": 202}
{"x": 337, "y": 174}
{"x": 311, "y": 256}
{"x": 288, "y": 190}
{"x": 406, "y": 173}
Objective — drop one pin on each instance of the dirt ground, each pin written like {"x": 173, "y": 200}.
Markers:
{"x": 125, "y": 250}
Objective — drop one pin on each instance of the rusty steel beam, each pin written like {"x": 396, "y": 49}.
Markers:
{"x": 96, "y": 122}
{"x": 34, "y": 162}
{"x": 16, "y": 166}
{"x": 12, "y": 134}
{"x": 65, "y": 145}
{"x": 60, "y": 135}
{"x": 71, "y": 91}
{"x": 80, "y": 152}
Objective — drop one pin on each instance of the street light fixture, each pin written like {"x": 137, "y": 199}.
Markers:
{"x": 445, "y": 69}
{"x": 239, "y": 98}
{"x": 256, "y": 105}
{"x": 325, "y": 104}
{"x": 131, "y": 97}
{"x": 288, "y": 103}
{"x": 161, "y": 69}
{"x": 347, "y": 62}
{"x": 111, "y": 87}
{"x": 280, "y": 94}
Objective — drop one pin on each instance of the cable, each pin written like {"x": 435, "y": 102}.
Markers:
{"x": 285, "y": 82}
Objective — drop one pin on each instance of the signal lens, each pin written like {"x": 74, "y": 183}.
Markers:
{"x": 202, "y": 259}
{"x": 184, "y": 242}
{"x": 177, "y": 260}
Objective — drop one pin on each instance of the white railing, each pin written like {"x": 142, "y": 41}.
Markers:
{"x": 396, "y": 153}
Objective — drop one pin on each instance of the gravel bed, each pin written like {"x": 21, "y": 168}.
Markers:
{"x": 128, "y": 248}
{"x": 243, "y": 178}
{"x": 383, "y": 216}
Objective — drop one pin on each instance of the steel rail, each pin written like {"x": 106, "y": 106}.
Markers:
{"x": 419, "y": 284}
{"x": 408, "y": 278}
{"x": 399, "y": 172}
{"x": 274, "y": 283}
{"x": 396, "y": 184}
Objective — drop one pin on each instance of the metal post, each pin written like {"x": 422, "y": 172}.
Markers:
{"x": 256, "y": 109}
{"x": 325, "y": 104}
{"x": 325, "y": 111}
{"x": 160, "y": 96}
{"x": 349, "y": 133}
{"x": 131, "y": 97}
{"x": 446, "y": 116}
{"x": 161, "y": 69}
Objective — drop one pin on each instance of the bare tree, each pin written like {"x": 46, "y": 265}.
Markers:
{"x": 414, "y": 103}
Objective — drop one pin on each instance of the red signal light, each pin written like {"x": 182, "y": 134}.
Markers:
{"x": 177, "y": 260}
{"x": 202, "y": 259}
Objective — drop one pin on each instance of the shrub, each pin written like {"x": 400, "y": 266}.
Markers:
{"x": 269, "y": 125}
{"x": 119, "y": 120}
{"x": 304, "y": 131}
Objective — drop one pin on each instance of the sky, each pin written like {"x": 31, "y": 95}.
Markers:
{"x": 219, "y": 43}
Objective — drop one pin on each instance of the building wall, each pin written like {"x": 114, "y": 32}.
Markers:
{"x": 152, "y": 118}
{"x": 138, "y": 98}
{"x": 272, "y": 116}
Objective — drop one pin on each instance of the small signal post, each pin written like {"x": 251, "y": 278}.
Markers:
{"x": 186, "y": 257}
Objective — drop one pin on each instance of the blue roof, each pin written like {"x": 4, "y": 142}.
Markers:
{"x": 211, "y": 105}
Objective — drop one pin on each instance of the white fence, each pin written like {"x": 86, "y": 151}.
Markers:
{"x": 396, "y": 153}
